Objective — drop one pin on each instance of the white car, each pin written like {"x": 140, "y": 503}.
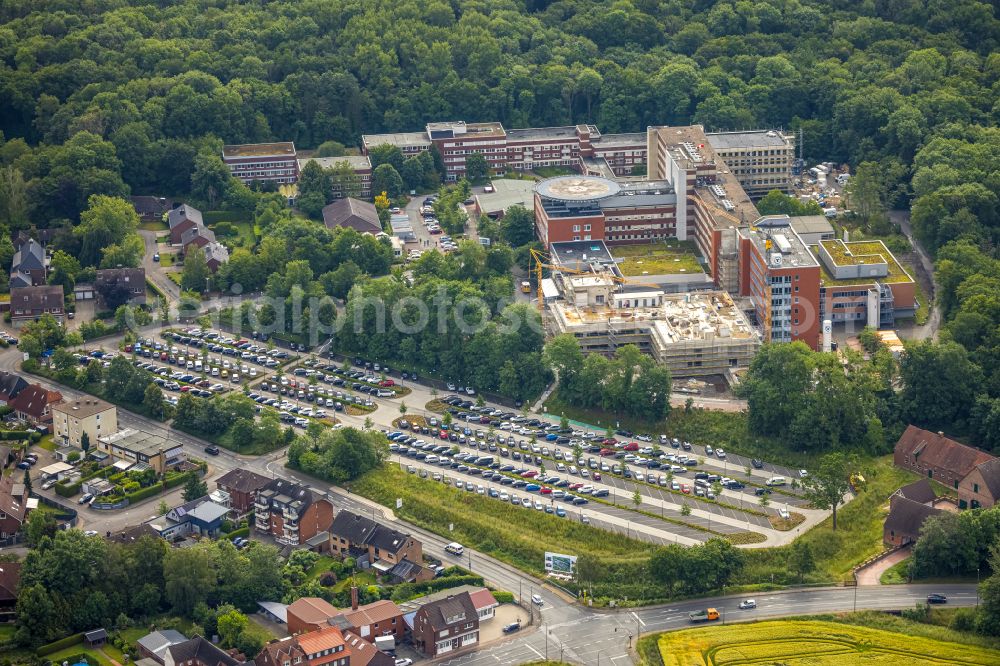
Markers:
{"x": 720, "y": 453}
{"x": 748, "y": 604}
{"x": 537, "y": 599}
{"x": 803, "y": 473}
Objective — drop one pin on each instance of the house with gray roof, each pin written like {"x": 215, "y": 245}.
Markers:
{"x": 202, "y": 516}
{"x": 28, "y": 266}
{"x": 154, "y": 644}
{"x": 181, "y": 219}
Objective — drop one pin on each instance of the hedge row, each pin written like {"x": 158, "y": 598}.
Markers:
{"x": 19, "y": 434}
{"x": 503, "y": 597}
{"x": 156, "y": 488}
{"x": 406, "y": 591}
{"x": 60, "y": 644}
{"x": 241, "y": 532}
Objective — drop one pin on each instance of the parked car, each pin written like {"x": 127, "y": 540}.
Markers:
{"x": 86, "y": 499}
{"x": 508, "y": 629}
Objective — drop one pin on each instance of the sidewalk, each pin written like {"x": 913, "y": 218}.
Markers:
{"x": 872, "y": 574}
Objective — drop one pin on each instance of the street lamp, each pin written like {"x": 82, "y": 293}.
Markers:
{"x": 977, "y": 587}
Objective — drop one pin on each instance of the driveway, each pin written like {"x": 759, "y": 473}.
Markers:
{"x": 872, "y": 573}
{"x": 154, "y": 271}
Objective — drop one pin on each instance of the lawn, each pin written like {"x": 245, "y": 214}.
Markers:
{"x": 321, "y": 566}
{"x": 153, "y": 225}
{"x": 897, "y": 574}
{"x": 47, "y": 443}
{"x": 513, "y": 534}
{"x": 167, "y": 258}
{"x": 812, "y": 642}
{"x": 859, "y": 526}
{"x": 93, "y": 657}
{"x": 657, "y": 259}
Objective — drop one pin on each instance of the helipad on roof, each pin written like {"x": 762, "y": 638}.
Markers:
{"x": 577, "y": 188}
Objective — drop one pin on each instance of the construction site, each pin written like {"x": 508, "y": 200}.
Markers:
{"x": 697, "y": 333}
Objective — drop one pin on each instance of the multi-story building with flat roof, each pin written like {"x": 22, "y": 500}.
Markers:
{"x": 143, "y": 449}
{"x": 782, "y": 278}
{"x": 89, "y": 415}
{"x": 760, "y": 159}
{"x": 862, "y": 282}
{"x": 361, "y": 167}
{"x": 264, "y": 162}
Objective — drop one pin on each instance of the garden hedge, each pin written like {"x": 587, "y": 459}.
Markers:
{"x": 60, "y": 644}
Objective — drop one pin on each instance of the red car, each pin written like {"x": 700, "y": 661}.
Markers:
{"x": 386, "y": 383}
{"x": 575, "y": 486}
{"x": 596, "y": 476}
{"x": 685, "y": 489}
{"x": 185, "y": 389}
{"x": 128, "y": 348}
{"x": 610, "y": 441}
{"x": 443, "y": 434}
{"x": 607, "y": 452}
{"x": 631, "y": 446}
{"x": 530, "y": 474}
{"x": 545, "y": 490}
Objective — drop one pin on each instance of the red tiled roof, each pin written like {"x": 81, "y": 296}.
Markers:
{"x": 312, "y": 610}
{"x": 936, "y": 450}
{"x": 483, "y": 599}
{"x": 326, "y": 638}
{"x": 378, "y": 611}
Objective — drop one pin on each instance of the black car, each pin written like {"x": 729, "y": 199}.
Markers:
{"x": 212, "y": 450}
{"x": 937, "y": 598}
{"x": 762, "y": 491}
{"x": 757, "y": 463}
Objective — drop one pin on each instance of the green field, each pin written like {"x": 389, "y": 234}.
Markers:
{"x": 657, "y": 259}
{"x": 812, "y": 643}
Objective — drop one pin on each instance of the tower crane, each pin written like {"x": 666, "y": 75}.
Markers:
{"x": 542, "y": 261}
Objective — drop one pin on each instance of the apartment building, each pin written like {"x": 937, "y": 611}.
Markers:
{"x": 73, "y": 418}
{"x": 760, "y": 159}
{"x": 361, "y": 168}
{"x": 28, "y": 304}
{"x": 291, "y": 513}
{"x": 242, "y": 486}
{"x": 446, "y": 625}
{"x": 388, "y": 551}
{"x": 263, "y": 162}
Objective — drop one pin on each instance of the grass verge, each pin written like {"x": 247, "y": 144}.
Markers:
{"x": 512, "y": 534}
{"x": 815, "y": 642}
{"x": 897, "y": 574}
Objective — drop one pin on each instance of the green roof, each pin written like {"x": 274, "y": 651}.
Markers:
{"x": 862, "y": 252}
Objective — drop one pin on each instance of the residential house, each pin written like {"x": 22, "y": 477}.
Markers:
{"x": 482, "y": 599}
{"x": 202, "y": 516}
{"x": 981, "y": 487}
{"x": 28, "y": 268}
{"x": 10, "y": 385}
{"x": 364, "y": 653}
{"x": 290, "y": 512}
{"x": 181, "y": 219}
{"x": 349, "y": 212}
{"x": 216, "y": 254}
{"x": 378, "y": 546}
{"x": 198, "y": 237}
{"x": 150, "y": 208}
{"x": 446, "y": 625}
{"x": 242, "y": 486}
{"x": 72, "y": 418}
{"x": 154, "y": 645}
{"x": 6, "y": 457}
{"x": 906, "y": 517}
{"x": 198, "y": 651}
{"x": 323, "y": 647}
{"x": 10, "y": 576}
{"x": 142, "y": 449}
{"x": 15, "y": 505}
{"x": 379, "y": 618}
{"x": 133, "y": 279}
{"x": 935, "y": 456}
{"x": 308, "y": 614}
{"x": 918, "y": 491}
{"x": 133, "y": 533}
{"x": 28, "y": 304}
{"x": 34, "y": 404}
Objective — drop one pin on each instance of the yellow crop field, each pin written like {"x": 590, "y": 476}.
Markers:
{"x": 812, "y": 643}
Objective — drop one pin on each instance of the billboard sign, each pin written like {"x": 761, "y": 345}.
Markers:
{"x": 560, "y": 564}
